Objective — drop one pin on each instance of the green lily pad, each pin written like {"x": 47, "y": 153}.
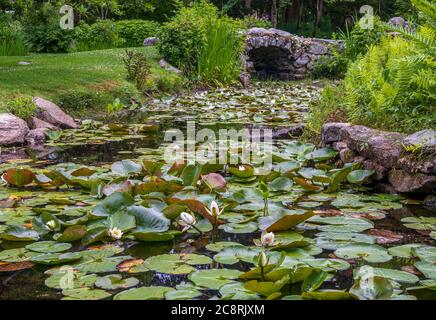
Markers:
{"x": 367, "y": 252}
{"x": 405, "y": 251}
{"x": 20, "y": 234}
{"x": 240, "y": 228}
{"x": 395, "y": 275}
{"x": 144, "y": 293}
{"x": 85, "y": 294}
{"x": 126, "y": 167}
{"x": 237, "y": 291}
{"x": 115, "y": 282}
{"x": 360, "y": 176}
{"x": 110, "y": 205}
{"x": 183, "y": 293}
{"x": 329, "y": 295}
{"x": 72, "y": 234}
{"x": 214, "y": 279}
{"x": 52, "y": 259}
{"x": 427, "y": 269}
{"x": 266, "y": 288}
{"x": 232, "y": 255}
{"x": 175, "y": 263}
{"x": 49, "y": 247}
{"x": 72, "y": 280}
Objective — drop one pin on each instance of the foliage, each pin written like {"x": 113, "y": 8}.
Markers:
{"x": 182, "y": 38}
{"x": 100, "y": 35}
{"x": 42, "y": 32}
{"x": 219, "y": 59}
{"x": 23, "y": 107}
{"x": 11, "y": 37}
{"x": 205, "y": 46}
{"x": 359, "y": 40}
{"x": 133, "y": 32}
{"x": 392, "y": 87}
{"x": 80, "y": 100}
{"x": 137, "y": 66}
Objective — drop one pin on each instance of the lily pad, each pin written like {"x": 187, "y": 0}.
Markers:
{"x": 48, "y": 247}
{"x": 115, "y": 282}
{"x": 214, "y": 279}
{"x": 144, "y": 293}
{"x": 367, "y": 252}
{"x": 175, "y": 263}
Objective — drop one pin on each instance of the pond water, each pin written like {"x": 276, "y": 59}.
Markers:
{"x": 334, "y": 237}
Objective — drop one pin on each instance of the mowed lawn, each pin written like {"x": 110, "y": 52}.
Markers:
{"x": 48, "y": 75}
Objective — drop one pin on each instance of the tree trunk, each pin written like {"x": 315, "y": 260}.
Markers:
{"x": 274, "y": 13}
{"x": 248, "y": 6}
{"x": 319, "y": 6}
{"x": 293, "y": 12}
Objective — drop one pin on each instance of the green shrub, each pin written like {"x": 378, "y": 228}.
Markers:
{"x": 181, "y": 39}
{"x": 80, "y": 100}
{"x": 11, "y": 37}
{"x": 252, "y": 21}
{"x": 137, "y": 67}
{"x": 133, "y": 32}
{"x": 205, "y": 46}
{"x": 23, "y": 107}
{"x": 42, "y": 32}
{"x": 359, "y": 40}
{"x": 331, "y": 67}
{"x": 100, "y": 35}
{"x": 219, "y": 59}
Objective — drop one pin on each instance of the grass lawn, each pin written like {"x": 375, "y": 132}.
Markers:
{"x": 52, "y": 75}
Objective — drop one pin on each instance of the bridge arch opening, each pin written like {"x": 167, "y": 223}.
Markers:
{"x": 271, "y": 63}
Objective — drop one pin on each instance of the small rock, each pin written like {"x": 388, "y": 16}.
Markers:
{"x": 165, "y": 65}
{"x": 13, "y": 130}
{"x": 424, "y": 140}
{"x": 398, "y": 22}
{"x": 51, "y": 113}
{"x": 151, "y": 41}
{"x": 258, "y": 32}
{"x": 405, "y": 182}
{"x": 413, "y": 163}
{"x": 36, "y": 137}
{"x": 36, "y": 123}
{"x": 286, "y": 133}
{"x": 331, "y": 132}
{"x": 430, "y": 201}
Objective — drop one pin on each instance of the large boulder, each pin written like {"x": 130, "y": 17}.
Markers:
{"x": 51, "y": 113}
{"x": 13, "y": 130}
{"x": 383, "y": 147}
{"x": 405, "y": 182}
{"x": 331, "y": 132}
{"x": 424, "y": 140}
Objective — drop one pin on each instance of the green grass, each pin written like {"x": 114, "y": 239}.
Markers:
{"x": 52, "y": 75}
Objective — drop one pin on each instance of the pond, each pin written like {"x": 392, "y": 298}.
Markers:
{"x": 103, "y": 212}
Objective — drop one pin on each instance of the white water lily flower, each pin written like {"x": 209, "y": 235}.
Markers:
{"x": 267, "y": 239}
{"x": 51, "y": 224}
{"x": 187, "y": 221}
{"x": 262, "y": 260}
{"x": 241, "y": 168}
{"x": 214, "y": 210}
{"x": 115, "y": 233}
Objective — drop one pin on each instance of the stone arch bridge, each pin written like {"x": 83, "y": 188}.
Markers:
{"x": 277, "y": 54}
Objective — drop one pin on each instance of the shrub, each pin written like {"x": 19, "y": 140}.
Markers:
{"x": 23, "y": 107}
{"x": 205, "y": 46}
{"x": 181, "y": 39}
{"x": 100, "y": 35}
{"x": 331, "y": 67}
{"x": 137, "y": 66}
{"x": 11, "y": 37}
{"x": 41, "y": 29}
{"x": 359, "y": 40}
{"x": 80, "y": 100}
{"x": 133, "y": 32}
{"x": 219, "y": 59}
